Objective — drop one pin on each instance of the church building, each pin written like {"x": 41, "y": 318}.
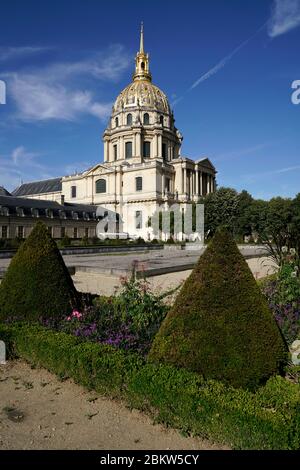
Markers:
{"x": 142, "y": 168}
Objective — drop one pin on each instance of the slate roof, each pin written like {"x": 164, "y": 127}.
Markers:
{"x": 4, "y": 192}
{"x": 13, "y": 203}
{"x": 39, "y": 187}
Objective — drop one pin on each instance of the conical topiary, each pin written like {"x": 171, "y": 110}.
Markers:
{"x": 37, "y": 282}
{"x": 220, "y": 324}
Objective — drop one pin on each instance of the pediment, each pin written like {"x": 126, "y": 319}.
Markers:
{"x": 97, "y": 170}
{"x": 206, "y": 163}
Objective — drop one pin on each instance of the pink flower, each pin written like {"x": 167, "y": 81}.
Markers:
{"x": 76, "y": 314}
{"x": 68, "y": 318}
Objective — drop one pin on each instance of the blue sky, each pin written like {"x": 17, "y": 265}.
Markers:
{"x": 226, "y": 65}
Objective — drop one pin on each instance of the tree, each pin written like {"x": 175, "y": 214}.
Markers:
{"x": 37, "y": 282}
{"x": 220, "y": 208}
{"x": 242, "y": 224}
{"x": 220, "y": 324}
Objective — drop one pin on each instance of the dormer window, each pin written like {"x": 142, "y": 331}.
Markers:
{"x": 35, "y": 212}
{"x": 4, "y": 211}
{"x": 20, "y": 211}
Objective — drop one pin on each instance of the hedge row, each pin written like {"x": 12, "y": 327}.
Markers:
{"x": 268, "y": 419}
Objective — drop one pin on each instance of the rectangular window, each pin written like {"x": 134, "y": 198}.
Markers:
{"x": 138, "y": 220}
{"x": 115, "y": 152}
{"x": 139, "y": 183}
{"x": 146, "y": 149}
{"x": 50, "y": 231}
{"x": 20, "y": 231}
{"x": 62, "y": 232}
{"x": 128, "y": 149}
{"x": 73, "y": 191}
{"x": 75, "y": 234}
{"x": 168, "y": 184}
{"x": 164, "y": 151}
{"x": 4, "y": 232}
{"x": 86, "y": 233}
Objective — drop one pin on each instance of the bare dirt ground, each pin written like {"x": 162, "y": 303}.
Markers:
{"x": 37, "y": 411}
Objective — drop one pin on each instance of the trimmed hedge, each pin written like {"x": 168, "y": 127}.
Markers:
{"x": 220, "y": 324}
{"x": 268, "y": 419}
{"x": 37, "y": 282}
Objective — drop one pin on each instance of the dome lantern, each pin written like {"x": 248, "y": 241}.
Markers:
{"x": 142, "y": 71}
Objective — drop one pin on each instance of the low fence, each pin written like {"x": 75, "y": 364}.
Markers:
{"x": 77, "y": 250}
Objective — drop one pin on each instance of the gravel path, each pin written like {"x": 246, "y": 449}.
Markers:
{"x": 37, "y": 411}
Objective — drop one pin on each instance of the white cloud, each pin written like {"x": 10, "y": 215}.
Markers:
{"x": 9, "y": 53}
{"x": 19, "y": 165}
{"x": 39, "y": 99}
{"x": 258, "y": 176}
{"x": 285, "y": 17}
{"x": 56, "y": 91}
{"x": 21, "y": 157}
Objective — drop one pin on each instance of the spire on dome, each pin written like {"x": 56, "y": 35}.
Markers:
{"x": 142, "y": 71}
{"x": 142, "y": 39}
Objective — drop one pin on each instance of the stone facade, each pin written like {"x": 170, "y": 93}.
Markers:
{"x": 143, "y": 167}
{"x": 19, "y": 215}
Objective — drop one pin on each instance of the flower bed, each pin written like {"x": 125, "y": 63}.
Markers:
{"x": 268, "y": 419}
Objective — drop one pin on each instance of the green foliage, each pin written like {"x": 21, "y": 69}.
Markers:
{"x": 268, "y": 419}
{"x": 221, "y": 209}
{"x": 133, "y": 316}
{"x": 37, "y": 282}
{"x": 220, "y": 325}
{"x": 65, "y": 241}
{"x": 10, "y": 243}
{"x": 288, "y": 284}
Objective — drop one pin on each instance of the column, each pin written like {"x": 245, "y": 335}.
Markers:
{"x": 138, "y": 145}
{"x": 155, "y": 145}
{"x": 184, "y": 181}
{"x": 178, "y": 179}
{"x": 197, "y": 181}
{"x": 201, "y": 184}
{"x": 163, "y": 183}
{"x": 121, "y": 148}
{"x": 159, "y": 145}
{"x": 106, "y": 155}
{"x": 134, "y": 145}
{"x": 208, "y": 183}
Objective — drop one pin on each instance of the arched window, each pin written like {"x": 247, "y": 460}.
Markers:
{"x": 129, "y": 119}
{"x": 117, "y": 122}
{"x": 146, "y": 119}
{"x": 161, "y": 120}
{"x": 101, "y": 186}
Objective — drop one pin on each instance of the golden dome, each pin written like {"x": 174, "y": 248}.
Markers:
{"x": 142, "y": 93}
